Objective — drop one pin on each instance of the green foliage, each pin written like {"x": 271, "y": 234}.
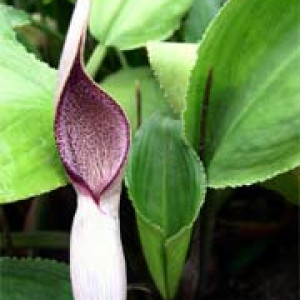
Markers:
{"x": 128, "y": 24}
{"x": 122, "y": 87}
{"x": 28, "y": 160}
{"x": 14, "y": 17}
{"x": 166, "y": 183}
{"x": 172, "y": 64}
{"x": 252, "y": 130}
{"x": 287, "y": 185}
{"x": 34, "y": 279}
{"x": 201, "y": 14}
{"x": 6, "y": 31}
{"x": 253, "y": 122}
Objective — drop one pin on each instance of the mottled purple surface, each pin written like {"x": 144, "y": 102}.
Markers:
{"x": 92, "y": 133}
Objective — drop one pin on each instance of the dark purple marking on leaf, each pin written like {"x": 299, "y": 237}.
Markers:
{"x": 91, "y": 132}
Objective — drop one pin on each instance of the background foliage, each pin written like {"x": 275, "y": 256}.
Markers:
{"x": 154, "y": 58}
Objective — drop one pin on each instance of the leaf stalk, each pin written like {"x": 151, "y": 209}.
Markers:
{"x": 96, "y": 59}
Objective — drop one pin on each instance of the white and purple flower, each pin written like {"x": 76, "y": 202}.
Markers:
{"x": 93, "y": 137}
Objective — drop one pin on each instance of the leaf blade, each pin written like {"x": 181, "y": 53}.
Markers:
{"x": 29, "y": 161}
{"x": 15, "y": 17}
{"x": 172, "y": 64}
{"x": 254, "y": 93}
{"x": 200, "y": 15}
{"x": 130, "y": 24}
{"x": 287, "y": 185}
{"x": 31, "y": 279}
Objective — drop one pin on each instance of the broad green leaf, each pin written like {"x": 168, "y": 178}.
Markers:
{"x": 167, "y": 185}
{"x": 287, "y": 184}
{"x": 253, "y": 122}
{"x": 34, "y": 279}
{"x": 29, "y": 163}
{"x": 172, "y": 64}
{"x": 122, "y": 87}
{"x": 128, "y": 24}
{"x": 200, "y": 15}
{"x": 14, "y": 17}
{"x": 6, "y": 31}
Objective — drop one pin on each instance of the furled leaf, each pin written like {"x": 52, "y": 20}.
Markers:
{"x": 122, "y": 87}
{"x": 287, "y": 184}
{"x": 253, "y": 123}
{"x": 200, "y": 15}
{"x": 166, "y": 183}
{"x": 34, "y": 279}
{"x": 29, "y": 164}
{"x": 128, "y": 24}
{"x": 172, "y": 64}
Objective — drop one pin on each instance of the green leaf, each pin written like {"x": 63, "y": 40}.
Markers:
{"x": 128, "y": 24}
{"x": 287, "y": 184}
{"x": 167, "y": 185}
{"x": 14, "y": 17}
{"x": 172, "y": 64}
{"x": 201, "y": 14}
{"x": 253, "y": 122}
{"x": 122, "y": 87}
{"x": 6, "y": 31}
{"x": 34, "y": 279}
{"x": 28, "y": 160}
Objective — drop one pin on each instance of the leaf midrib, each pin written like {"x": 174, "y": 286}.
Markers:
{"x": 164, "y": 189}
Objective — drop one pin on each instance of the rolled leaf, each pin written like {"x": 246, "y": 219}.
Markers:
{"x": 166, "y": 183}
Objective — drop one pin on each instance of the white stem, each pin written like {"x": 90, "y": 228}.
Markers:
{"x": 97, "y": 262}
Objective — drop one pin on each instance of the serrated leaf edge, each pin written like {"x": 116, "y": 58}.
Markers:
{"x": 167, "y": 97}
{"x": 33, "y": 259}
{"x": 250, "y": 181}
{"x": 228, "y": 184}
{"x": 201, "y": 202}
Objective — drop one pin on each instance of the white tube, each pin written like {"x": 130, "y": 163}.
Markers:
{"x": 97, "y": 262}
